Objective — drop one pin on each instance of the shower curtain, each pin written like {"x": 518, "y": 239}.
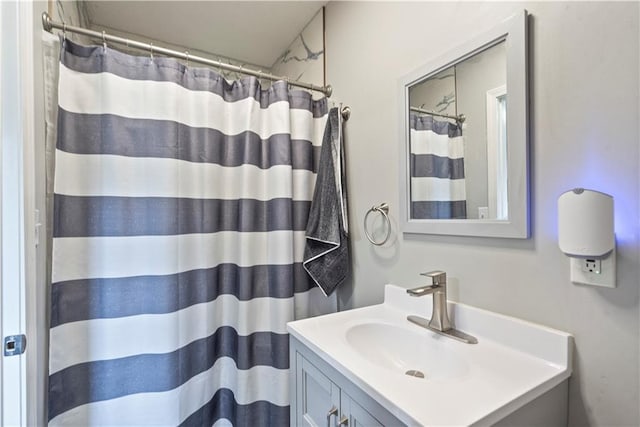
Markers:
{"x": 437, "y": 169}
{"x": 180, "y": 208}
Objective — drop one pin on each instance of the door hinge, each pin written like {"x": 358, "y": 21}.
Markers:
{"x": 15, "y": 345}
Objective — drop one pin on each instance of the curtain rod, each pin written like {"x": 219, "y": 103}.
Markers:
{"x": 49, "y": 25}
{"x": 459, "y": 118}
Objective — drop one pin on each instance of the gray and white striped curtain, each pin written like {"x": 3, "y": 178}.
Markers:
{"x": 180, "y": 208}
{"x": 437, "y": 169}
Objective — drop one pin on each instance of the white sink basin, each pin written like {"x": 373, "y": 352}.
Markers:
{"x": 405, "y": 349}
{"x": 513, "y": 363}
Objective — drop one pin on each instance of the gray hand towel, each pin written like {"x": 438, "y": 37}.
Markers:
{"x": 326, "y": 254}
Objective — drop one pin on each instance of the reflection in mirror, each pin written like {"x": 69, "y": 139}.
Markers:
{"x": 464, "y": 168}
{"x": 458, "y": 140}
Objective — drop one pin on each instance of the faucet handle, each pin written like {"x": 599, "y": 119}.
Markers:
{"x": 438, "y": 277}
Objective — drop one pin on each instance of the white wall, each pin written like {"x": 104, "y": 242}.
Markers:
{"x": 584, "y": 132}
{"x": 474, "y": 77}
{"x": 303, "y": 60}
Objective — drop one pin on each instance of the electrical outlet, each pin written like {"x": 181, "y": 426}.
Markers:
{"x": 591, "y": 265}
{"x": 483, "y": 212}
{"x": 598, "y": 272}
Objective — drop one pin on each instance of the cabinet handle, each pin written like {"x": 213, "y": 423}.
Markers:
{"x": 333, "y": 411}
{"x": 344, "y": 421}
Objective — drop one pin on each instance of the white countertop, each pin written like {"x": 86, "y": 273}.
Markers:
{"x": 465, "y": 384}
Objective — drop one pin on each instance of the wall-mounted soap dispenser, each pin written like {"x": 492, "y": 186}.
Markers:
{"x": 586, "y": 235}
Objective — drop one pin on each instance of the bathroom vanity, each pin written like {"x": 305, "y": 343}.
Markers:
{"x": 323, "y": 396}
{"x": 372, "y": 367}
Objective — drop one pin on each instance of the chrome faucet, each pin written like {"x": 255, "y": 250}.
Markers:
{"x": 439, "y": 322}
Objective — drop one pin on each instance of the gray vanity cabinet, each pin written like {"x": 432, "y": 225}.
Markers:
{"x": 321, "y": 396}
{"x": 317, "y": 397}
{"x": 356, "y": 414}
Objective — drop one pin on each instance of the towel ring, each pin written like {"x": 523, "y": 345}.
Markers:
{"x": 383, "y": 208}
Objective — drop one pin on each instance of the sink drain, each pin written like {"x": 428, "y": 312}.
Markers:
{"x": 414, "y": 373}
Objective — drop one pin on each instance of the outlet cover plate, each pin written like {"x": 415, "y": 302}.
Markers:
{"x": 606, "y": 277}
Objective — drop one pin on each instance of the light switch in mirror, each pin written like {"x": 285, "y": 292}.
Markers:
{"x": 464, "y": 138}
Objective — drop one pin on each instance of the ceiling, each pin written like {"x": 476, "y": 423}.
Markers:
{"x": 255, "y": 32}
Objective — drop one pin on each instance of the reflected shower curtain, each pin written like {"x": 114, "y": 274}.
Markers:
{"x": 437, "y": 169}
{"x": 180, "y": 208}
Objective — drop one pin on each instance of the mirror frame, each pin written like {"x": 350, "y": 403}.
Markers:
{"x": 513, "y": 31}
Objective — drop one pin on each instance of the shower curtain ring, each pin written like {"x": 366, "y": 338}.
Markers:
{"x": 239, "y": 74}
{"x": 151, "y": 51}
{"x": 186, "y": 52}
{"x": 64, "y": 31}
{"x": 259, "y": 77}
{"x": 104, "y": 40}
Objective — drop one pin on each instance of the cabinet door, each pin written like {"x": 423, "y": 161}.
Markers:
{"x": 356, "y": 415}
{"x": 317, "y": 397}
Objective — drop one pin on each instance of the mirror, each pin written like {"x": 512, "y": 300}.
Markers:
{"x": 464, "y": 134}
